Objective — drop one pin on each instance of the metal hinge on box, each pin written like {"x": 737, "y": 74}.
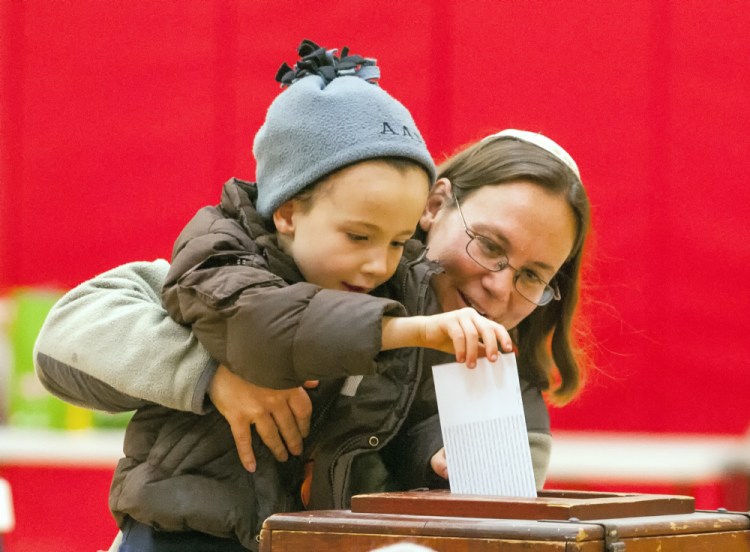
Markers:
{"x": 612, "y": 542}
{"x": 725, "y": 511}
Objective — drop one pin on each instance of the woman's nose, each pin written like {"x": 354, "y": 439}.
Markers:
{"x": 499, "y": 284}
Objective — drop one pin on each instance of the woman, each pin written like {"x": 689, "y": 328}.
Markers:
{"x": 506, "y": 220}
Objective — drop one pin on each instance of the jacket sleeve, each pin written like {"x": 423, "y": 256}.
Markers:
{"x": 108, "y": 344}
{"x": 272, "y": 334}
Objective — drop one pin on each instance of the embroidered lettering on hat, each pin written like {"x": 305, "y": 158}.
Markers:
{"x": 413, "y": 134}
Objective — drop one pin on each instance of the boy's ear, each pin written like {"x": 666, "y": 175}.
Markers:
{"x": 439, "y": 197}
{"x": 283, "y": 218}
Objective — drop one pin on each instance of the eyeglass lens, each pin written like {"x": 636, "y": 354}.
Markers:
{"x": 489, "y": 255}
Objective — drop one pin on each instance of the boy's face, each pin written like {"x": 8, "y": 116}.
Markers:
{"x": 350, "y": 234}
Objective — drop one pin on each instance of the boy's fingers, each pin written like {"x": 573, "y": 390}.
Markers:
{"x": 459, "y": 343}
{"x": 505, "y": 340}
{"x": 481, "y": 351}
{"x": 471, "y": 337}
{"x": 489, "y": 340}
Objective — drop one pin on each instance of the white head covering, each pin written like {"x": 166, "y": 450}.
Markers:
{"x": 541, "y": 141}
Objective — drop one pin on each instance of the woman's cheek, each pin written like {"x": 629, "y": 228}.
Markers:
{"x": 518, "y": 314}
{"x": 445, "y": 292}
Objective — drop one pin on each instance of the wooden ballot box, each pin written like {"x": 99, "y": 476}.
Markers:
{"x": 559, "y": 521}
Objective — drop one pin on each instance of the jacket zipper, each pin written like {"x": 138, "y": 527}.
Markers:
{"x": 344, "y": 448}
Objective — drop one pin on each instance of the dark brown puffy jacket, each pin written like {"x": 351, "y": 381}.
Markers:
{"x": 231, "y": 282}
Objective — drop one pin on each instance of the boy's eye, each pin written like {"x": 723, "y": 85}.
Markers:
{"x": 356, "y": 237}
{"x": 398, "y": 243}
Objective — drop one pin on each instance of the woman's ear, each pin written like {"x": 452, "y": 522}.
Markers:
{"x": 439, "y": 197}
{"x": 283, "y": 218}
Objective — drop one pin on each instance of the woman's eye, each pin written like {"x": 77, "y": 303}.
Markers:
{"x": 356, "y": 237}
{"x": 530, "y": 277}
{"x": 398, "y": 244}
{"x": 489, "y": 247}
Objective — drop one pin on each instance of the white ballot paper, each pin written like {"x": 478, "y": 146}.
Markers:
{"x": 484, "y": 430}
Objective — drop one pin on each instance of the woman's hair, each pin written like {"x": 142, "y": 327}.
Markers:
{"x": 544, "y": 338}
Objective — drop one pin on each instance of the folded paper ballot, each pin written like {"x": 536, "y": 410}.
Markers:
{"x": 484, "y": 430}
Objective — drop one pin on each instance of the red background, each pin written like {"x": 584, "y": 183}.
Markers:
{"x": 119, "y": 119}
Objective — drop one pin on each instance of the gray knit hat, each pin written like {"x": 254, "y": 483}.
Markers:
{"x": 332, "y": 115}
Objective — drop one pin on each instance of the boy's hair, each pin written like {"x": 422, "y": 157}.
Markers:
{"x": 331, "y": 116}
{"x": 317, "y": 188}
{"x": 544, "y": 337}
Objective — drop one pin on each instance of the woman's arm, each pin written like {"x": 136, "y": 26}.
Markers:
{"x": 108, "y": 344}
{"x": 536, "y": 414}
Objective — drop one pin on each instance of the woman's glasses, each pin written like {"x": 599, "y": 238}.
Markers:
{"x": 491, "y": 256}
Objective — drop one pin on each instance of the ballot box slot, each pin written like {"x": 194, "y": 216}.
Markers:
{"x": 550, "y": 505}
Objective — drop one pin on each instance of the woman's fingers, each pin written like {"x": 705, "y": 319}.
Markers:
{"x": 439, "y": 463}
{"x": 281, "y": 416}
{"x": 300, "y": 408}
{"x": 243, "y": 441}
{"x": 270, "y": 430}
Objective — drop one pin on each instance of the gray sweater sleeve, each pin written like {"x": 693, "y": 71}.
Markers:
{"x": 536, "y": 414}
{"x": 108, "y": 344}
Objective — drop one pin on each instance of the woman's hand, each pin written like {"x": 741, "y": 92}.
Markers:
{"x": 277, "y": 414}
{"x": 439, "y": 463}
{"x": 464, "y": 332}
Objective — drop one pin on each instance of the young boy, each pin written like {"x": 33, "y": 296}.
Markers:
{"x": 265, "y": 279}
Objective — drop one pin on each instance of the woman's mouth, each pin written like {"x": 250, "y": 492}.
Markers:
{"x": 471, "y": 304}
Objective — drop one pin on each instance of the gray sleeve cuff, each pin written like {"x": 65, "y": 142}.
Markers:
{"x": 81, "y": 389}
{"x": 541, "y": 449}
{"x": 200, "y": 396}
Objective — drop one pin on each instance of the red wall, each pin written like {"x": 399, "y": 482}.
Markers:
{"x": 120, "y": 119}
{"x": 59, "y": 508}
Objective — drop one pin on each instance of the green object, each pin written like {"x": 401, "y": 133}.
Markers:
{"x": 30, "y": 404}
{"x": 106, "y": 420}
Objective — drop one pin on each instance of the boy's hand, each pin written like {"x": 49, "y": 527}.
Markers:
{"x": 277, "y": 414}
{"x": 439, "y": 463}
{"x": 464, "y": 332}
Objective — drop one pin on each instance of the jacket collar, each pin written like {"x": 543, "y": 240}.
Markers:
{"x": 238, "y": 201}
